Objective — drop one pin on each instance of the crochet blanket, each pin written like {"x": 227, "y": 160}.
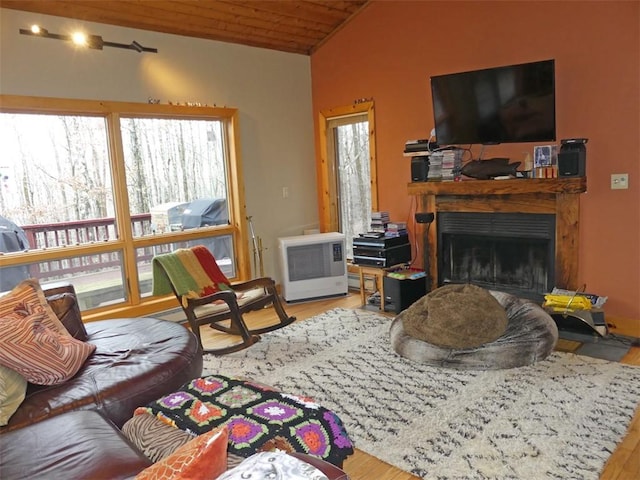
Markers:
{"x": 259, "y": 418}
{"x": 193, "y": 272}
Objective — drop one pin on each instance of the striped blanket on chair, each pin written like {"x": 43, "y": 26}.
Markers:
{"x": 193, "y": 272}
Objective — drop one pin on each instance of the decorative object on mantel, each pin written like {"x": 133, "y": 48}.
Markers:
{"x": 565, "y": 414}
{"x": 490, "y": 168}
{"x": 83, "y": 40}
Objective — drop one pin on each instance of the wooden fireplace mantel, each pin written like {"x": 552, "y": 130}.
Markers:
{"x": 559, "y": 196}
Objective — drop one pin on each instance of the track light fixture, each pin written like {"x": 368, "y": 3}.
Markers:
{"x": 82, "y": 40}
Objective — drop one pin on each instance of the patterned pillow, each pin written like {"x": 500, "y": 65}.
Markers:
{"x": 27, "y": 298}
{"x": 13, "y": 388}
{"x": 157, "y": 439}
{"x": 203, "y": 458}
{"x": 277, "y": 464}
{"x": 41, "y": 354}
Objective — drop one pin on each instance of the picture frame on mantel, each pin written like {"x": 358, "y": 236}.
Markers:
{"x": 545, "y": 155}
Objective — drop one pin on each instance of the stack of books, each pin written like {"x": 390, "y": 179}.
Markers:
{"x": 379, "y": 221}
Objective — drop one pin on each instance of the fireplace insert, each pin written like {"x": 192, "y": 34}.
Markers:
{"x": 510, "y": 252}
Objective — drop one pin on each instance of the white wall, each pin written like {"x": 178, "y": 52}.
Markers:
{"x": 272, "y": 91}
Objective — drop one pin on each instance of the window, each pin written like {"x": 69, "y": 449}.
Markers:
{"x": 91, "y": 191}
{"x": 348, "y": 179}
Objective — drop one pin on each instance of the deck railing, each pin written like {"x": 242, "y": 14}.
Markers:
{"x": 49, "y": 235}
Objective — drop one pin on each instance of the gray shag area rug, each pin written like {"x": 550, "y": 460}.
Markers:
{"x": 560, "y": 418}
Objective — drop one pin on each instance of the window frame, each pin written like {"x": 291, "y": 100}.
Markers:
{"x": 328, "y": 201}
{"x": 126, "y": 243}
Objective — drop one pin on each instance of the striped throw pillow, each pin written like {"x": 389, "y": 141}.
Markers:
{"x": 40, "y": 354}
{"x": 27, "y": 298}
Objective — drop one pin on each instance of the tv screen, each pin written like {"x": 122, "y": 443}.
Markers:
{"x": 510, "y": 104}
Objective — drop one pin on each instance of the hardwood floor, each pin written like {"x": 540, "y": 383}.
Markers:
{"x": 624, "y": 464}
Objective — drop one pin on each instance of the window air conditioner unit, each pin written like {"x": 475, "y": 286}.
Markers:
{"x": 313, "y": 266}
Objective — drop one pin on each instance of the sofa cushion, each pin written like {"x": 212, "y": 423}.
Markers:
{"x": 202, "y": 458}
{"x": 75, "y": 445}
{"x": 42, "y": 355}
{"x": 13, "y": 388}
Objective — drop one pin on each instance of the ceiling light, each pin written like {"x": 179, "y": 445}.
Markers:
{"x": 36, "y": 30}
{"x": 79, "y": 39}
{"x": 90, "y": 41}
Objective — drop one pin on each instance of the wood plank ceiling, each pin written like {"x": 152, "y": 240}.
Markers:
{"x": 296, "y": 26}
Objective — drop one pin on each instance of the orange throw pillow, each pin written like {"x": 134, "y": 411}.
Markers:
{"x": 203, "y": 458}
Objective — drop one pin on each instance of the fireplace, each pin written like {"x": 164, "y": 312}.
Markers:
{"x": 510, "y": 252}
{"x": 518, "y": 235}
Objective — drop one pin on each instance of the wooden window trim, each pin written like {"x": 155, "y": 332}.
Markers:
{"x": 328, "y": 207}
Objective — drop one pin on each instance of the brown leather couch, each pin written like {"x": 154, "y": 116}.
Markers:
{"x": 72, "y": 430}
{"x": 85, "y": 445}
{"x": 136, "y": 361}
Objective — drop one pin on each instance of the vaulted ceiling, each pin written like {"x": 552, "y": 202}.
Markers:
{"x": 297, "y": 26}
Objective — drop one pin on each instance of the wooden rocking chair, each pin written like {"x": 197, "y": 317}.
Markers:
{"x": 208, "y": 298}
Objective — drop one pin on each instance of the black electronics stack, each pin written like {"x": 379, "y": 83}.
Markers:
{"x": 377, "y": 250}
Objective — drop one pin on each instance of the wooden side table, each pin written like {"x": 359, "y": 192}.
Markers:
{"x": 378, "y": 274}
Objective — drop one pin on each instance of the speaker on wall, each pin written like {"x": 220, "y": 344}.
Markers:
{"x": 419, "y": 168}
{"x": 572, "y": 158}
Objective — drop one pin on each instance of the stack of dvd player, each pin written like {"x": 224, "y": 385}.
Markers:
{"x": 377, "y": 250}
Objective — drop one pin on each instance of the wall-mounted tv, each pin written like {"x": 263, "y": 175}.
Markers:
{"x": 509, "y": 104}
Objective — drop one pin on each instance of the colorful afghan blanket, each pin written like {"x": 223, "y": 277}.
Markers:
{"x": 259, "y": 418}
{"x": 193, "y": 272}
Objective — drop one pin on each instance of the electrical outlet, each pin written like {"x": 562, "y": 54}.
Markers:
{"x": 619, "y": 181}
{"x": 285, "y": 192}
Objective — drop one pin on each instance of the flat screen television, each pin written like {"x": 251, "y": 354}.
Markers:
{"x": 509, "y": 104}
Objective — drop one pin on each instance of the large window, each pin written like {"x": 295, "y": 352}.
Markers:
{"x": 91, "y": 191}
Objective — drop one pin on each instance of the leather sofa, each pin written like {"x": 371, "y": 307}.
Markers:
{"x": 72, "y": 430}
{"x": 136, "y": 361}
{"x": 85, "y": 445}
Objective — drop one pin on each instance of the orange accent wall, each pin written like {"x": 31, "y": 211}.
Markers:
{"x": 390, "y": 50}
